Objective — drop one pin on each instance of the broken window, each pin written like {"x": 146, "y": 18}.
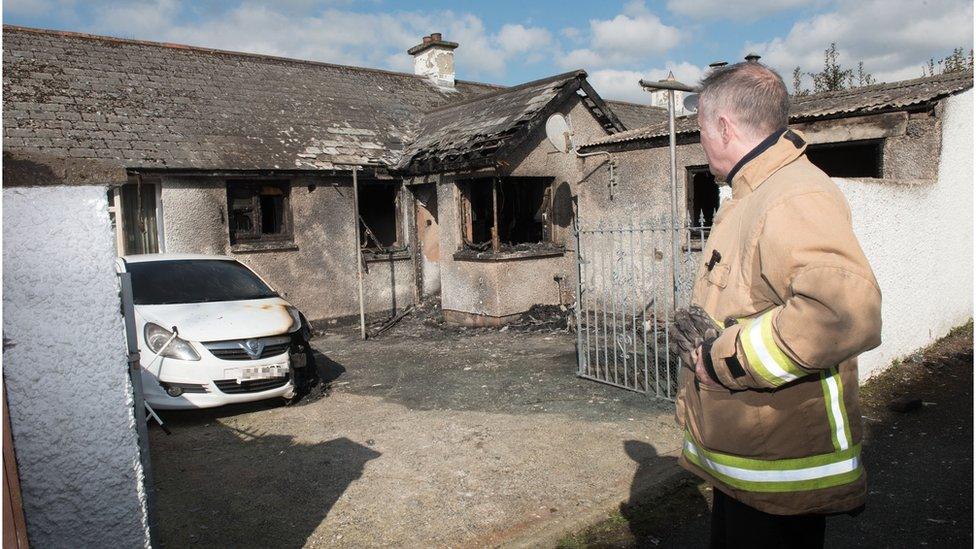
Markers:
{"x": 379, "y": 224}
{"x": 259, "y": 211}
{"x": 521, "y": 207}
{"x": 702, "y": 196}
{"x": 132, "y": 208}
{"x": 850, "y": 159}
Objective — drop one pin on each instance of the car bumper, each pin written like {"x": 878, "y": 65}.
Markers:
{"x": 210, "y": 383}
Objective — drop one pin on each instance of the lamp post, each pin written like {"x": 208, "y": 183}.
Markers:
{"x": 671, "y": 85}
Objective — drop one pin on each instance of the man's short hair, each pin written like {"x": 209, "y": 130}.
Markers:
{"x": 752, "y": 93}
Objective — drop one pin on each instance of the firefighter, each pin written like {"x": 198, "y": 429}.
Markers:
{"x": 770, "y": 412}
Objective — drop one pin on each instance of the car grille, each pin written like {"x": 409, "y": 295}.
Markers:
{"x": 231, "y": 386}
{"x": 188, "y": 387}
{"x": 234, "y": 349}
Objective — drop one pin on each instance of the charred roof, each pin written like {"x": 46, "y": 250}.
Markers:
{"x": 477, "y": 132}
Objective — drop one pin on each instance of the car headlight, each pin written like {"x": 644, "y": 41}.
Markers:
{"x": 180, "y": 349}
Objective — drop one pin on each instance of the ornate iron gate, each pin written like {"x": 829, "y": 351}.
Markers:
{"x": 631, "y": 278}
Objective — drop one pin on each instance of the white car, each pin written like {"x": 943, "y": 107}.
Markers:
{"x": 211, "y": 332}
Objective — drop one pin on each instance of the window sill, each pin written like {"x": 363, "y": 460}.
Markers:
{"x": 268, "y": 246}
{"x": 536, "y": 252}
{"x": 373, "y": 256}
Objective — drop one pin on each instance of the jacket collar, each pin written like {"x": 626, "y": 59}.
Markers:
{"x": 774, "y": 152}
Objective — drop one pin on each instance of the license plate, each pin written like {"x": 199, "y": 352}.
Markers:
{"x": 257, "y": 372}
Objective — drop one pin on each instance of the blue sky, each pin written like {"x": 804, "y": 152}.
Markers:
{"x": 508, "y": 42}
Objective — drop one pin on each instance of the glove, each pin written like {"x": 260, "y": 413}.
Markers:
{"x": 691, "y": 328}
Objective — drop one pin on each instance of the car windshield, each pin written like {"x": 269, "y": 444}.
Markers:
{"x": 194, "y": 281}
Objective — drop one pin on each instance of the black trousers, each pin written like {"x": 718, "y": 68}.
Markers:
{"x": 735, "y": 525}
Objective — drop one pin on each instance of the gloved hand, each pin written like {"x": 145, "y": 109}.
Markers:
{"x": 691, "y": 328}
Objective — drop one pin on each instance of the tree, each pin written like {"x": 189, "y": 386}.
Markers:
{"x": 833, "y": 76}
{"x": 798, "y": 88}
{"x": 864, "y": 78}
{"x": 957, "y": 61}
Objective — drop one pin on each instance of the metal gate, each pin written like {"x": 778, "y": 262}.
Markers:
{"x": 631, "y": 279}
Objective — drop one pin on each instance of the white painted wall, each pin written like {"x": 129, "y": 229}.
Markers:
{"x": 918, "y": 237}
{"x": 64, "y": 369}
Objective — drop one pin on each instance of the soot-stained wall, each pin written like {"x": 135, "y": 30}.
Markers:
{"x": 318, "y": 273}
{"x": 501, "y": 289}
{"x": 65, "y": 371}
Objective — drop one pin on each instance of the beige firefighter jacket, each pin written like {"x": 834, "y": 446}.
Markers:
{"x": 783, "y": 273}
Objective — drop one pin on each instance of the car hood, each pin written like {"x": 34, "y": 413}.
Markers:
{"x": 221, "y": 320}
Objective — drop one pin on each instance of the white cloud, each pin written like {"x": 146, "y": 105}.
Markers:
{"x": 519, "y": 39}
{"x": 893, "y": 38}
{"x": 733, "y": 9}
{"x": 313, "y": 30}
{"x": 623, "y": 84}
{"x": 635, "y": 33}
{"x": 631, "y": 37}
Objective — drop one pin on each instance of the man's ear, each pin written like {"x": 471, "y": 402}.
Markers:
{"x": 726, "y": 130}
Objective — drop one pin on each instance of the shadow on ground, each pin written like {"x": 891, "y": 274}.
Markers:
{"x": 250, "y": 489}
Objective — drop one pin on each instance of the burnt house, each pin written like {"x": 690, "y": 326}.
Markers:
{"x": 889, "y": 133}
{"x": 207, "y": 151}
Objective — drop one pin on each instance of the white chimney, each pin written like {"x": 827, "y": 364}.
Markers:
{"x": 434, "y": 58}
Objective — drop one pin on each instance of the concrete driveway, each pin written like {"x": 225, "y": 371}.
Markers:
{"x": 450, "y": 439}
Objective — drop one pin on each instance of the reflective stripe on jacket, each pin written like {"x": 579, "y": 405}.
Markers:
{"x": 784, "y": 275}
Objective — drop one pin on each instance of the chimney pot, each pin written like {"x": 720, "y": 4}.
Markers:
{"x": 753, "y": 58}
{"x": 436, "y": 36}
{"x": 428, "y": 40}
{"x": 718, "y": 64}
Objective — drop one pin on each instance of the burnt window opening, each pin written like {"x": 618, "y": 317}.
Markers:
{"x": 703, "y": 197}
{"x": 132, "y": 210}
{"x": 259, "y": 211}
{"x": 379, "y": 224}
{"x": 522, "y": 207}
{"x": 850, "y": 159}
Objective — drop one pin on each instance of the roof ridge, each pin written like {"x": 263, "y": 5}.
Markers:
{"x": 496, "y": 93}
{"x": 633, "y": 103}
{"x": 217, "y": 51}
{"x": 958, "y": 75}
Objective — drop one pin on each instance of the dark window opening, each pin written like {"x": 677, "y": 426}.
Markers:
{"x": 703, "y": 197}
{"x": 851, "y": 159}
{"x": 522, "y": 207}
{"x": 379, "y": 225}
{"x": 258, "y": 211}
{"x": 138, "y": 203}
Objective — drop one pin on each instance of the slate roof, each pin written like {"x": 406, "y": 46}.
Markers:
{"x": 854, "y": 102}
{"x": 78, "y": 107}
{"x": 634, "y": 115}
{"x": 81, "y": 108}
{"x": 477, "y": 132}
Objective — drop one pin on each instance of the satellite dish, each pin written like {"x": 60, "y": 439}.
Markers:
{"x": 559, "y": 132}
{"x": 691, "y": 102}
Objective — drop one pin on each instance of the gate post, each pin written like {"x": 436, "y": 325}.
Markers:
{"x": 581, "y": 364}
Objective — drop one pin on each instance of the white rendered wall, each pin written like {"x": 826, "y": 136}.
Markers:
{"x": 64, "y": 369}
{"x": 919, "y": 240}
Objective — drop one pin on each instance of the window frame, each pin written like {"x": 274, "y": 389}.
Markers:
{"x": 472, "y": 250}
{"x": 256, "y": 236}
{"x": 690, "y": 172}
{"x": 878, "y": 143}
{"x": 400, "y": 244}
